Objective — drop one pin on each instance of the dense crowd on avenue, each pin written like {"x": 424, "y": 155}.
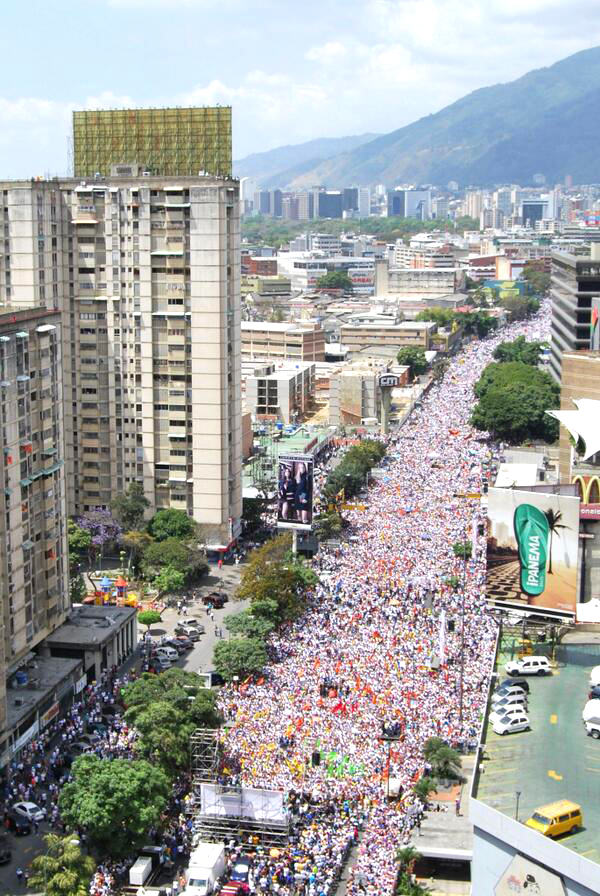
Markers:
{"x": 364, "y": 654}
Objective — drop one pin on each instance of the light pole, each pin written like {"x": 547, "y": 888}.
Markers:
{"x": 518, "y": 796}
{"x": 389, "y": 739}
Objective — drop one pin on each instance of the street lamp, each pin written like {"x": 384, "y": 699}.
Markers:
{"x": 518, "y": 796}
{"x": 388, "y": 737}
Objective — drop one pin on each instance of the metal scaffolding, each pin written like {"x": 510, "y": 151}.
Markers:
{"x": 245, "y": 829}
{"x": 204, "y": 746}
{"x": 167, "y": 142}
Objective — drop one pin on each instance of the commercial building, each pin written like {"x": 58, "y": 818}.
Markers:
{"x": 34, "y": 579}
{"x": 407, "y": 203}
{"x": 354, "y": 392}
{"x": 146, "y": 272}
{"x": 358, "y": 337}
{"x": 417, "y": 281}
{"x": 282, "y": 392}
{"x": 281, "y": 341}
{"x": 167, "y": 142}
{"x": 575, "y": 283}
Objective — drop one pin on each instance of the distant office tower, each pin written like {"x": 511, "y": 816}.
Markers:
{"x": 364, "y": 202}
{"x": 33, "y": 523}
{"x": 474, "y": 204}
{"x": 533, "y": 211}
{"x": 404, "y": 203}
{"x": 166, "y": 142}
{"x": 575, "y": 289}
{"x": 248, "y": 187}
{"x": 331, "y": 203}
{"x": 276, "y": 203}
{"x": 262, "y": 202}
{"x": 350, "y": 199}
{"x": 502, "y": 201}
{"x": 306, "y": 207}
{"x": 146, "y": 271}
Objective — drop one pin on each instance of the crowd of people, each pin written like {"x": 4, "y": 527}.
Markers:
{"x": 375, "y": 647}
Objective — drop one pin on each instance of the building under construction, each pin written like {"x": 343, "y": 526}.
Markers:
{"x": 167, "y": 142}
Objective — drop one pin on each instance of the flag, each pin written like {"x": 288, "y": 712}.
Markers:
{"x": 594, "y": 323}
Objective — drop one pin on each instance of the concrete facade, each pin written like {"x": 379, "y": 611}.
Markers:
{"x": 408, "y": 333}
{"x": 281, "y": 393}
{"x": 281, "y": 341}
{"x": 575, "y": 281}
{"x": 146, "y": 273}
{"x": 34, "y": 584}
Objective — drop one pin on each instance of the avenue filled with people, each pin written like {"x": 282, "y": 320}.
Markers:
{"x": 396, "y": 634}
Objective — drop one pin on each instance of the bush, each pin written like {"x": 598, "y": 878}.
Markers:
{"x": 513, "y": 400}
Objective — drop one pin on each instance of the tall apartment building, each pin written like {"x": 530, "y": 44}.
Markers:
{"x": 146, "y": 272}
{"x": 169, "y": 142}
{"x": 575, "y": 282}
{"x": 34, "y": 585}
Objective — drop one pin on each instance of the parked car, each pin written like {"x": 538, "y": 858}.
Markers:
{"x": 98, "y": 728}
{"x": 17, "y": 823}
{"x": 529, "y": 665}
{"x": 510, "y": 682}
{"x": 215, "y": 598}
{"x": 185, "y": 642}
{"x": 161, "y": 661}
{"x": 168, "y": 652}
{"x": 510, "y": 701}
{"x": 554, "y": 819}
{"x": 5, "y": 850}
{"x": 188, "y": 622}
{"x": 511, "y": 724}
{"x": 495, "y": 715}
{"x": 30, "y": 811}
{"x": 188, "y": 630}
{"x": 79, "y": 748}
{"x": 501, "y": 693}
{"x": 241, "y": 870}
{"x": 90, "y": 739}
{"x": 175, "y": 644}
{"x": 594, "y": 693}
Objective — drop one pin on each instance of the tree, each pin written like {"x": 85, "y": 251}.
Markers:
{"x": 273, "y": 573}
{"x": 407, "y": 857}
{"x": 136, "y": 542}
{"x": 445, "y": 762}
{"x": 77, "y": 589}
{"x": 554, "y": 518}
{"x": 423, "y": 787}
{"x": 149, "y": 618}
{"x": 240, "y": 657}
{"x": 477, "y": 323}
{"x": 103, "y": 529}
{"x": 328, "y": 525}
{"x": 171, "y": 523}
{"x": 414, "y": 358}
{"x": 250, "y": 625}
{"x": 335, "y": 280}
{"x": 63, "y": 869}
{"x": 115, "y": 801}
{"x": 180, "y": 555}
{"x": 538, "y": 281}
{"x": 431, "y": 746}
{"x": 130, "y": 507}
{"x": 520, "y": 349}
{"x": 443, "y": 317}
{"x": 252, "y": 512}
{"x": 513, "y": 400}
{"x": 168, "y": 580}
{"x": 519, "y": 307}
{"x": 462, "y": 549}
{"x": 80, "y": 542}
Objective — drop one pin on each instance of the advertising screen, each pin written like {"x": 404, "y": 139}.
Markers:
{"x": 295, "y": 491}
{"x": 532, "y": 550}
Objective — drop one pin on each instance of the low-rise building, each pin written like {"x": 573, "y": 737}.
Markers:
{"x": 283, "y": 392}
{"x": 281, "y": 341}
{"x": 421, "y": 281}
{"x": 354, "y": 391}
{"x": 358, "y": 337}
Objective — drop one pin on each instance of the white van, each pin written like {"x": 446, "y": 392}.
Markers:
{"x": 529, "y": 665}
{"x": 595, "y": 677}
{"x": 168, "y": 652}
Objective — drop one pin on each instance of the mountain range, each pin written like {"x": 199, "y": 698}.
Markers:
{"x": 545, "y": 122}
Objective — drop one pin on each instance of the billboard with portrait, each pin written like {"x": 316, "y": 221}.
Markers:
{"x": 532, "y": 549}
{"x": 295, "y": 491}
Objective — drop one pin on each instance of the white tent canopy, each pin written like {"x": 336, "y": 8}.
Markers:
{"x": 584, "y": 423}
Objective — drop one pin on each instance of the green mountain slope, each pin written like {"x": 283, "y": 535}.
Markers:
{"x": 266, "y": 166}
{"x": 507, "y": 132}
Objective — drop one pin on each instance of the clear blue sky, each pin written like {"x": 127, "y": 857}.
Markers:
{"x": 292, "y": 70}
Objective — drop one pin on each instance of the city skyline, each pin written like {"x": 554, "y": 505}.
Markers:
{"x": 328, "y": 71}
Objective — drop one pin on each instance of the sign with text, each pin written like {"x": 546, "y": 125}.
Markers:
{"x": 389, "y": 381}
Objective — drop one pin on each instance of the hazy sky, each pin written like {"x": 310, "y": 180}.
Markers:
{"x": 291, "y": 70}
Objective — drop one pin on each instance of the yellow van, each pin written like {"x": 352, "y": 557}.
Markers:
{"x": 557, "y": 818}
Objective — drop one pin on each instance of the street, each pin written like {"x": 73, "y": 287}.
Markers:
{"x": 25, "y": 848}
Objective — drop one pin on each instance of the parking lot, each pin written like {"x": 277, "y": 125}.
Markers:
{"x": 555, "y": 760}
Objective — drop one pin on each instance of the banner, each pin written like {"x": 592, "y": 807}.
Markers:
{"x": 295, "y": 491}
{"x": 532, "y": 549}
{"x": 242, "y": 802}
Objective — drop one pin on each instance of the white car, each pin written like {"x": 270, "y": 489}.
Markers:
{"x": 498, "y": 714}
{"x": 509, "y": 702}
{"x": 168, "y": 653}
{"x": 514, "y": 689}
{"x": 30, "y": 811}
{"x": 510, "y": 724}
{"x": 529, "y": 665}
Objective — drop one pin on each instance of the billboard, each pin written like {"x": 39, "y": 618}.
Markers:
{"x": 532, "y": 549}
{"x": 242, "y": 802}
{"x": 595, "y": 326}
{"x": 295, "y": 491}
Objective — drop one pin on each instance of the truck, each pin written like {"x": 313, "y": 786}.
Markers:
{"x": 207, "y": 865}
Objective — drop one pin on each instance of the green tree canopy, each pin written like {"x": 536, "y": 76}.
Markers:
{"x": 539, "y": 281}
{"x": 249, "y": 625}
{"x": 519, "y": 307}
{"x": 80, "y": 542}
{"x": 115, "y": 801}
{"x": 171, "y": 523}
{"x": 335, "y": 280}
{"x": 328, "y": 525}
{"x": 513, "y": 400}
{"x": 443, "y": 317}
{"x": 241, "y": 657}
{"x": 181, "y": 555}
{"x": 168, "y": 580}
{"x": 129, "y": 508}
{"x": 462, "y": 549}
{"x": 413, "y": 357}
{"x": 63, "y": 869}
{"x": 149, "y": 618}
{"x": 136, "y": 542}
{"x": 274, "y": 574}
{"x": 477, "y": 323}
{"x": 351, "y": 472}
{"x": 520, "y": 349}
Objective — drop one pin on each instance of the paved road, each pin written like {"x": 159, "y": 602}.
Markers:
{"x": 25, "y": 848}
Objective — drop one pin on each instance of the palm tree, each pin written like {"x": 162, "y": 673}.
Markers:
{"x": 554, "y": 524}
{"x": 407, "y": 857}
{"x": 63, "y": 870}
